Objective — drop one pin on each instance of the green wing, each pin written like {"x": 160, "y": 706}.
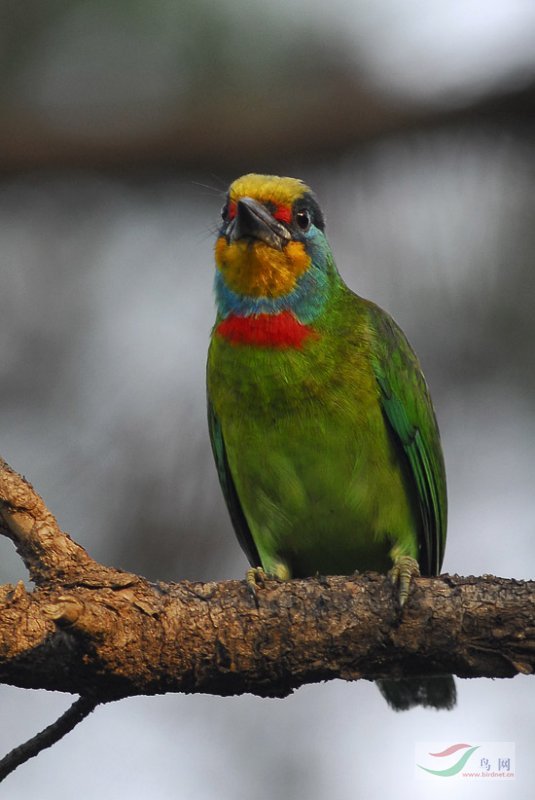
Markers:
{"x": 407, "y": 406}
{"x": 230, "y": 494}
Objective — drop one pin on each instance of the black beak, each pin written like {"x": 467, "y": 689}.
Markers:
{"x": 253, "y": 221}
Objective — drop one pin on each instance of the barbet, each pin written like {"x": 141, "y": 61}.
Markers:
{"x": 321, "y": 423}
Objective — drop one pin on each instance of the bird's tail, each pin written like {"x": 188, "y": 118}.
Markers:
{"x": 434, "y": 692}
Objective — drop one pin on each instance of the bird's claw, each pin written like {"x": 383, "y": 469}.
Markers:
{"x": 404, "y": 570}
{"x": 255, "y": 577}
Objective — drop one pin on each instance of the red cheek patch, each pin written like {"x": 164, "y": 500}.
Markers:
{"x": 283, "y": 214}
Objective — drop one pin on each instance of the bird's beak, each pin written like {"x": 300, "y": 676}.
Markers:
{"x": 253, "y": 221}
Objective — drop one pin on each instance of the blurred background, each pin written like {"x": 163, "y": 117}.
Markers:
{"x": 121, "y": 124}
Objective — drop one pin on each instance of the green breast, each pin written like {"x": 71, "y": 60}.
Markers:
{"x": 321, "y": 483}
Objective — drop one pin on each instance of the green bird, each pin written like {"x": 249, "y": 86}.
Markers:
{"x": 321, "y": 423}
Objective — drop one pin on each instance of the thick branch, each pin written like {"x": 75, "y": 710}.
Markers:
{"x": 91, "y": 630}
{"x": 213, "y": 638}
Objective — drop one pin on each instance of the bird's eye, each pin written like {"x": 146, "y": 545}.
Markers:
{"x": 303, "y": 220}
{"x": 224, "y": 212}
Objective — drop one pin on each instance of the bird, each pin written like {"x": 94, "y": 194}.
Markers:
{"x": 321, "y": 423}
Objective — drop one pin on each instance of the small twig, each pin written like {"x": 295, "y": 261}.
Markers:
{"x": 48, "y": 736}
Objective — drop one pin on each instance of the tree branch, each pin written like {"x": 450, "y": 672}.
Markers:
{"x": 50, "y": 555}
{"x": 47, "y": 737}
{"x": 103, "y": 633}
{"x": 90, "y": 629}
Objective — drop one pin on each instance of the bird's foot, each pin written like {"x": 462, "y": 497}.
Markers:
{"x": 404, "y": 570}
{"x": 255, "y": 577}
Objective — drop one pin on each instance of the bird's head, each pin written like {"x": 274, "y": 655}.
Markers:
{"x": 271, "y": 253}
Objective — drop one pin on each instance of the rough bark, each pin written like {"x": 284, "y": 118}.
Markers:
{"x": 97, "y": 631}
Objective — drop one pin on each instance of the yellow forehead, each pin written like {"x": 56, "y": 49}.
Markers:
{"x": 265, "y": 188}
